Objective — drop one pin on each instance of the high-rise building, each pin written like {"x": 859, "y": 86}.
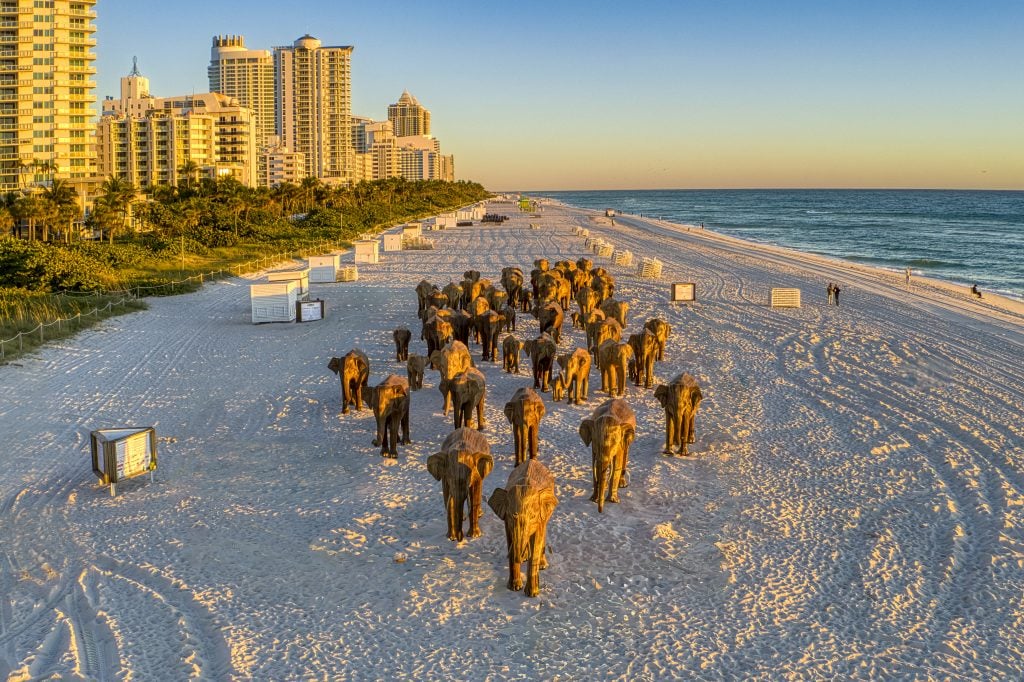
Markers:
{"x": 47, "y": 94}
{"x": 147, "y": 140}
{"x": 409, "y": 117}
{"x": 248, "y": 76}
{"x": 314, "y": 106}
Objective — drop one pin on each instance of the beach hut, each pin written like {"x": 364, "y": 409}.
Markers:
{"x": 367, "y": 251}
{"x": 393, "y": 242}
{"x": 123, "y": 453}
{"x": 299, "y": 275}
{"x": 412, "y": 230}
{"x": 348, "y": 273}
{"x": 324, "y": 268}
{"x": 445, "y": 220}
{"x": 274, "y": 301}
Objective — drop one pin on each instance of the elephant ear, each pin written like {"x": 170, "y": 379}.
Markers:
{"x": 435, "y": 358}
{"x": 695, "y": 397}
{"x": 498, "y": 502}
{"x": 547, "y": 503}
{"x": 661, "y": 394}
{"x": 334, "y": 365}
{"x": 436, "y": 465}
{"x": 509, "y": 411}
{"x": 484, "y": 465}
{"x": 587, "y": 430}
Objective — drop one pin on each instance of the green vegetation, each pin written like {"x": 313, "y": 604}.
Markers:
{"x": 199, "y": 227}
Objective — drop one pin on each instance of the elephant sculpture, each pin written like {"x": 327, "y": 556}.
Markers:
{"x": 609, "y": 431}
{"x": 601, "y": 331}
{"x": 402, "y": 337}
{"x": 509, "y": 311}
{"x": 451, "y": 361}
{"x": 524, "y": 412}
{"x": 512, "y": 282}
{"x": 468, "y": 391}
{"x": 454, "y": 294}
{"x": 525, "y": 504}
{"x": 478, "y": 307}
{"x": 576, "y": 370}
{"x": 549, "y": 317}
{"x": 587, "y": 300}
{"x": 390, "y": 402}
{"x": 472, "y": 275}
{"x": 661, "y": 331}
{"x": 438, "y": 331}
{"x": 414, "y": 368}
{"x": 616, "y": 310}
{"x": 493, "y": 324}
{"x": 577, "y": 321}
{"x": 613, "y": 359}
{"x": 354, "y": 371}
{"x": 510, "y": 349}
{"x": 542, "y": 351}
{"x": 645, "y": 350}
{"x": 584, "y": 264}
{"x": 423, "y": 290}
{"x": 462, "y": 325}
{"x": 558, "y": 388}
{"x": 497, "y": 298}
{"x": 525, "y": 300}
{"x": 680, "y": 398}
{"x": 471, "y": 290}
{"x": 603, "y": 284}
{"x": 462, "y": 465}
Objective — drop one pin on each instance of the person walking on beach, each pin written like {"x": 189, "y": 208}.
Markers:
{"x": 830, "y": 291}
{"x": 835, "y": 294}
{"x": 908, "y": 278}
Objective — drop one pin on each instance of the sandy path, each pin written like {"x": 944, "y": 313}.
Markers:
{"x": 855, "y": 509}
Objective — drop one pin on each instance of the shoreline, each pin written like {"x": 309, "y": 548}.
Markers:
{"x": 999, "y": 306}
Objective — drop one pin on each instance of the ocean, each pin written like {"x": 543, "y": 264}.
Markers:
{"x": 965, "y": 237}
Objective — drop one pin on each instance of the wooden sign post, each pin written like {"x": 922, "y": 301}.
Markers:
{"x": 685, "y": 292}
{"x": 120, "y": 454}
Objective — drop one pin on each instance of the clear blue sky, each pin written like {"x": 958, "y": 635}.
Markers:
{"x": 600, "y": 94}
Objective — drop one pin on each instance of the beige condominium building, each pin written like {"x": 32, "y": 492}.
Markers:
{"x": 408, "y": 116}
{"x": 248, "y": 76}
{"x": 148, "y": 140}
{"x": 47, "y": 99}
{"x": 314, "y": 106}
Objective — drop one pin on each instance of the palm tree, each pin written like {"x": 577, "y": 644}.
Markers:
{"x": 190, "y": 171}
{"x": 65, "y": 199}
{"x": 116, "y": 195}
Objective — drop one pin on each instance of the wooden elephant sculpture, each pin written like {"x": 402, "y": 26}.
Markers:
{"x": 437, "y": 331}
{"x": 462, "y": 325}
{"x": 524, "y": 412}
{"x": 512, "y": 281}
{"x": 450, "y": 361}
{"x": 478, "y": 308}
{"x": 472, "y": 275}
{"x": 402, "y": 336}
{"x": 492, "y": 325}
{"x": 609, "y": 431}
{"x": 453, "y": 292}
{"x": 613, "y": 359}
{"x": 542, "y": 351}
{"x": 423, "y": 291}
{"x": 601, "y": 331}
{"x": 462, "y": 465}
{"x": 576, "y": 370}
{"x": 390, "y": 402}
{"x": 468, "y": 392}
{"x": 525, "y": 504}
{"x": 680, "y": 398}
{"x": 414, "y": 368}
{"x": 603, "y": 284}
{"x": 616, "y": 310}
{"x": 549, "y": 318}
{"x": 525, "y": 299}
{"x": 509, "y": 311}
{"x": 584, "y": 264}
{"x": 558, "y": 388}
{"x": 661, "y": 331}
{"x": 354, "y": 370}
{"x": 645, "y": 350}
{"x": 587, "y": 300}
{"x": 510, "y": 349}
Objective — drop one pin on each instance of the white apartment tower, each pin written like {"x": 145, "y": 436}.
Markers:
{"x": 47, "y": 94}
{"x": 314, "y": 106}
{"x": 409, "y": 117}
{"x": 248, "y": 76}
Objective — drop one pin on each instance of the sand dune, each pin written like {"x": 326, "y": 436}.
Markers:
{"x": 855, "y": 507}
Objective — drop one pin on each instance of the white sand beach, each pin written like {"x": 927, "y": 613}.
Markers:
{"x": 854, "y": 507}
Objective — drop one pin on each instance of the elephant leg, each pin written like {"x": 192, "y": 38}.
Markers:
{"x": 532, "y": 430}
{"x": 475, "y": 494}
{"x": 345, "y": 396}
{"x": 449, "y": 509}
{"x": 393, "y": 422}
{"x": 379, "y": 437}
{"x": 457, "y": 518}
{"x": 533, "y": 570}
{"x": 669, "y": 434}
{"x": 596, "y": 475}
{"x": 517, "y": 442}
{"x": 406, "y": 440}
{"x": 447, "y": 403}
{"x": 481, "y": 423}
{"x": 515, "y": 577}
{"x": 613, "y": 484}
{"x": 585, "y": 382}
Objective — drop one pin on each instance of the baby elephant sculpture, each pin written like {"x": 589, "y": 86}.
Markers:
{"x": 462, "y": 465}
{"x": 402, "y": 336}
{"x": 451, "y": 361}
{"x": 680, "y": 397}
{"x": 469, "y": 391}
{"x": 414, "y": 367}
{"x": 558, "y": 388}
{"x": 576, "y": 370}
{"x": 390, "y": 402}
{"x": 510, "y": 349}
{"x": 525, "y": 505}
{"x": 613, "y": 359}
{"x": 524, "y": 411}
{"x": 609, "y": 431}
{"x": 645, "y": 349}
{"x": 542, "y": 352}
{"x": 661, "y": 331}
{"x": 354, "y": 371}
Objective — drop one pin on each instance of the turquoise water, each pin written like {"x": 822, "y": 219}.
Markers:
{"x": 960, "y": 236}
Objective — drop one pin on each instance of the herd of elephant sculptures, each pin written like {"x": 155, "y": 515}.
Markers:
{"x": 475, "y": 311}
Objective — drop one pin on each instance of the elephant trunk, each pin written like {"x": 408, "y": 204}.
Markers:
{"x": 519, "y": 543}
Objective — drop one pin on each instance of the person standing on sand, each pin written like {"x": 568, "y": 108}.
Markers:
{"x": 835, "y": 294}
{"x": 830, "y": 291}
{"x": 908, "y": 277}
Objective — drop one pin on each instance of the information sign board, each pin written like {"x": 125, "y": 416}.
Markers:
{"x": 684, "y": 291}
{"x": 309, "y": 311}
